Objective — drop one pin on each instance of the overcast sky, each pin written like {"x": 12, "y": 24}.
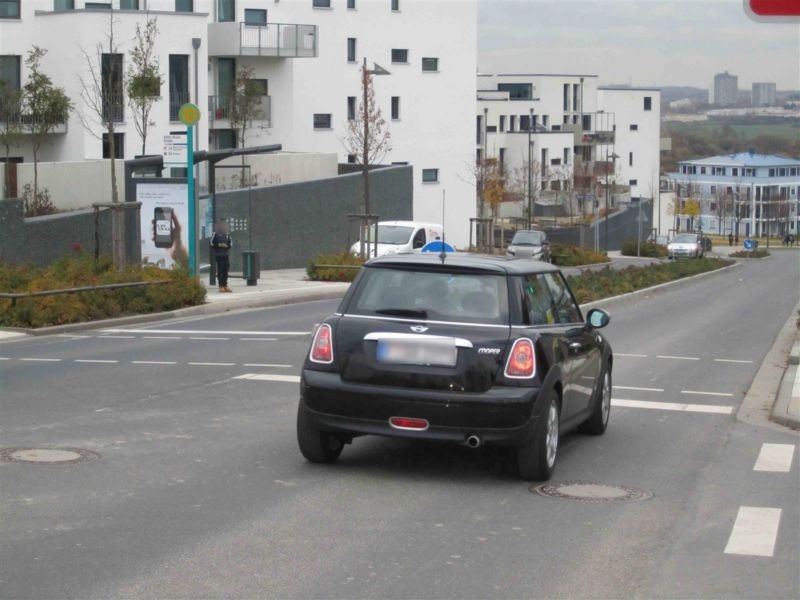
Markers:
{"x": 640, "y": 42}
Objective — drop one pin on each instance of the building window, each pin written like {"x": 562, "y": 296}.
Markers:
{"x": 524, "y": 122}
{"x": 648, "y": 103}
{"x": 566, "y": 99}
{"x": 517, "y": 91}
{"x": 478, "y": 129}
{"x": 395, "y": 108}
{"x": 97, "y": 6}
{"x": 586, "y": 122}
{"x": 178, "y": 83}
{"x": 351, "y": 4}
{"x": 632, "y": 182}
{"x": 111, "y": 76}
{"x": 430, "y": 175}
{"x": 129, "y": 4}
{"x": 255, "y": 16}
{"x": 351, "y": 49}
{"x": 566, "y": 156}
{"x": 351, "y": 159}
{"x": 226, "y": 139}
{"x": 184, "y": 5}
{"x": 351, "y": 108}
{"x": 782, "y": 173}
{"x": 119, "y": 146}
{"x": 10, "y": 72}
{"x": 399, "y": 55}
{"x": 322, "y": 120}
{"x": 321, "y": 3}
{"x": 262, "y": 85}
{"x": 702, "y": 170}
{"x": 735, "y": 171}
{"x": 430, "y": 64}
{"x": 512, "y": 123}
{"x": 502, "y": 160}
{"x": 792, "y": 171}
{"x": 478, "y": 155}
{"x": 9, "y": 9}
{"x": 634, "y": 127}
{"x": 713, "y": 189}
{"x": 502, "y": 122}
{"x": 63, "y": 5}
{"x": 395, "y": 4}
{"x": 545, "y": 120}
{"x": 226, "y": 11}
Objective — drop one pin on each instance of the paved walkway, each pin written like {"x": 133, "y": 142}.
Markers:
{"x": 280, "y": 281}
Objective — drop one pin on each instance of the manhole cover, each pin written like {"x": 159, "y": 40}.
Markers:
{"x": 587, "y": 491}
{"x": 47, "y": 456}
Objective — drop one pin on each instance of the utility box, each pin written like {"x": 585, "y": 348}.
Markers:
{"x": 251, "y": 267}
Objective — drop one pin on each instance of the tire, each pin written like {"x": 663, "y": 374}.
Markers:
{"x": 536, "y": 460}
{"x": 315, "y": 445}
{"x": 597, "y": 423}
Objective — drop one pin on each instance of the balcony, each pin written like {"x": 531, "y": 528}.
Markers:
{"x": 14, "y": 115}
{"x": 595, "y": 130}
{"x": 279, "y": 40}
{"x": 221, "y": 109}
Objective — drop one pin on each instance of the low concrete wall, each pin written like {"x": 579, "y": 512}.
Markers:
{"x": 43, "y": 240}
{"x": 290, "y": 225}
{"x": 275, "y": 169}
{"x": 74, "y": 185}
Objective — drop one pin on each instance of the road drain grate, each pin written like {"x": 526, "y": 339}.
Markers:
{"x": 47, "y": 456}
{"x": 587, "y": 491}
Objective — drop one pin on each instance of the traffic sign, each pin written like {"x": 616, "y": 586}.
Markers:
{"x": 189, "y": 114}
{"x": 437, "y": 246}
{"x": 748, "y": 244}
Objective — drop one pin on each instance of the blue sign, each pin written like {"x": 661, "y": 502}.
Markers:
{"x": 437, "y": 246}
{"x": 748, "y": 244}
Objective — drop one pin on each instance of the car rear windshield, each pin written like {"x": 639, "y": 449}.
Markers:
{"x": 528, "y": 238}
{"x": 432, "y": 295}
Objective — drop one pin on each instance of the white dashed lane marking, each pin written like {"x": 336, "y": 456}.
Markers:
{"x": 666, "y": 356}
{"x": 95, "y": 360}
{"x": 160, "y": 337}
{"x": 775, "y": 458}
{"x": 265, "y": 365}
{"x": 40, "y": 359}
{"x": 755, "y": 531}
{"x": 638, "y": 389}
{"x": 630, "y": 355}
{"x": 116, "y": 337}
{"x": 220, "y": 339}
{"x": 211, "y": 364}
{"x": 265, "y": 377}
{"x": 696, "y": 393}
{"x": 154, "y": 362}
{"x": 672, "y": 406}
{"x": 731, "y": 360}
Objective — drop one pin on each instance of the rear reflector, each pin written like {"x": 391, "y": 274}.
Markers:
{"x": 322, "y": 346}
{"x": 522, "y": 361}
{"x": 408, "y": 423}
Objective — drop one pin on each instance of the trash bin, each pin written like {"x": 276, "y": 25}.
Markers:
{"x": 707, "y": 244}
{"x": 251, "y": 267}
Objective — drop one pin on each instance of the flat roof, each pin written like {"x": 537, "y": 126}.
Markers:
{"x": 611, "y": 88}
{"x": 745, "y": 159}
{"x": 534, "y": 75}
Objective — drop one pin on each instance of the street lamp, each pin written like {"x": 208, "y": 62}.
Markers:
{"x": 614, "y": 157}
{"x": 530, "y": 171}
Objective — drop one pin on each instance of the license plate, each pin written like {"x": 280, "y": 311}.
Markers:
{"x": 435, "y": 352}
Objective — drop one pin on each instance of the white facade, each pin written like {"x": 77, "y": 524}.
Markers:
{"x": 637, "y": 142}
{"x": 763, "y": 94}
{"x": 312, "y": 76}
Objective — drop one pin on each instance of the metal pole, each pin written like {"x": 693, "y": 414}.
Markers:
{"x": 192, "y": 207}
{"x": 365, "y": 161}
{"x": 608, "y": 192}
{"x": 530, "y": 173}
{"x": 639, "y": 229}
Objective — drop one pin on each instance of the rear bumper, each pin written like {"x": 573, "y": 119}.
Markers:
{"x": 501, "y": 415}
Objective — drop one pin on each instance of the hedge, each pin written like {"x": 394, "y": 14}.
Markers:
{"x": 573, "y": 256}
{"x": 345, "y": 259}
{"x": 648, "y": 249}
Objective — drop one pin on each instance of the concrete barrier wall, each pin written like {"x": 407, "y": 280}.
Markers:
{"x": 74, "y": 185}
{"x": 274, "y": 169}
{"x": 290, "y": 225}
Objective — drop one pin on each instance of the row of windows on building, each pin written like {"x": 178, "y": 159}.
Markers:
{"x": 525, "y": 123}
{"x": 10, "y": 9}
{"x": 737, "y": 171}
{"x": 399, "y": 56}
{"x": 351, "y": 4}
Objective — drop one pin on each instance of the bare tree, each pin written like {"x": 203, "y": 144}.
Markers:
{"x": 527, "y": 181}
{"x": 245, "y": 105}
{"x": 144, "y": 79}
{"x": 10, "y": 127}
{"x": 101, "y": 90}
{"x": 45, "y": 106}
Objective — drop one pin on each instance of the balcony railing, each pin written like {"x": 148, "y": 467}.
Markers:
{"x": 600, "y": 129}
{"x": 222, "y": 108}
{"x": 114, "y": 108}
{"x": 176, "y": 100}
{"x": 26, "y": 122}
{"x": 281, "y": 40}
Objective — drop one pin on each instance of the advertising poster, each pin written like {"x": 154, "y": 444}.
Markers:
{"x": 164, "y": 220}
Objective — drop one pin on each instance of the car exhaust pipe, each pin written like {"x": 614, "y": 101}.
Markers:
{"x": 474, "y": 441}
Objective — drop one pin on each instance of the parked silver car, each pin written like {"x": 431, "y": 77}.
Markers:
{"x": 686, "y": 245}
{"x": 529, "y": 243}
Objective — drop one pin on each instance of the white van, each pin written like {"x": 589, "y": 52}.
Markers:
{"x": 398, "y": 237}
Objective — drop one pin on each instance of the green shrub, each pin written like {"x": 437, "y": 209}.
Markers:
{"x": 648, "y": 249}
{"x": 760, "y": 253}
{"x": 343, "y": 259}
{"x": 573, "y": 256}
{"x": 81, "y": 270}
{"x": 595, "y": 285}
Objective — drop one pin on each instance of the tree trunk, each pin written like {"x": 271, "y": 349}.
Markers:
{"x": 117, "y": 215}
{"x": 35, "y": 172}
{"x": 7, "y": 169}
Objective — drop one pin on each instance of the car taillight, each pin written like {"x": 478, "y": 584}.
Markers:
{"x": 322, "y": 346}
{"x": 521, "y": 362}
{"x": 408, "y": 423}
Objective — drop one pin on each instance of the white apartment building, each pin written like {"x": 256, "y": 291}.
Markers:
{"x": 637, "y": 140}
{"x": 576, "y": 130}
{"x": 306, "y": 54}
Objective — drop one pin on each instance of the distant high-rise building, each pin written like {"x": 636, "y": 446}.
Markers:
{"x": 725, "y": 89}
{"x": 763, "y": 94}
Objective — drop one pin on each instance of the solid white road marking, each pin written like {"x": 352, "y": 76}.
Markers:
{"x": 701, "y": 408}
{"x": 677, "y": 357}
{"x": 258, "y": 339}
{"x": 153, "y": 362}
{"x": 94, "y": 360}
{"x": 731, "y": 360}
{"x": 631, "y": 355}
{"x": 775, "y": 458}
{"x": 267, "y": 365}
{"x": 206, "y": 332}
{"x": 696, "y": 393}
{"x": 4, "y": 358}
{"x": 161, "y": 337}
{"x": 637, "y": 389}
{"x": 209, "y": 338}
{"x": 71, "y": 335}
{"x": 41, "y": 359}
{"x": 116, "y": 337}
{"x": 754, "y": 532}
{"x": 211, "y": 364}
{"x": 265, "y": 377}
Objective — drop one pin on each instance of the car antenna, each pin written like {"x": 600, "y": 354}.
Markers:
{"x": 443, "y": 254}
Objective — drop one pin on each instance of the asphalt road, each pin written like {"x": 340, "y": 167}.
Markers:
{"x": 200, "y": 490}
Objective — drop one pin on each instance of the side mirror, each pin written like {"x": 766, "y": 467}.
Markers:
{"x": 598, "y": 318}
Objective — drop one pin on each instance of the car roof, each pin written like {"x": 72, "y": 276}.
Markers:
{"x": 409, "y": 224}
{"x": 463, "y": 261}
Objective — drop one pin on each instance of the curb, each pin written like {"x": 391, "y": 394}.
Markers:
{"x": 268, "y": 299}
{"x": 630, "y": 295}
{"x": 759, "y": 403}
{"x": 780, "y": 411}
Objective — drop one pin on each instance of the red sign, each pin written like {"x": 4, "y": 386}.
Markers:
{"x": 775, "y": 8}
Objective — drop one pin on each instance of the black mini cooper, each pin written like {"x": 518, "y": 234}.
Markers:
{"x": 463, "y": 348}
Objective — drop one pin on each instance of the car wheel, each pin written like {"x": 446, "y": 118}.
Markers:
{"x": 597, "y": 423}
{"x": 536, "y": 460}
{"x": 315, "y": 445}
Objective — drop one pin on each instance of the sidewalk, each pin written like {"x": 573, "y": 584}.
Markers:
{"x": 281, "y": 282}
{"x": 787, "y": 404}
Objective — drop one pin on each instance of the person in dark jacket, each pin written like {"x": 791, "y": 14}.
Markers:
{"x": 221, "y": 243}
